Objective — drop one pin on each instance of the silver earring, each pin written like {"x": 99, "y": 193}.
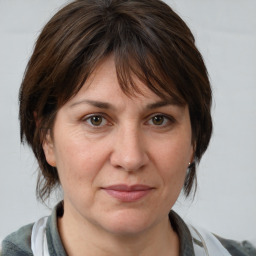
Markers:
{"x": 190, "y": 164}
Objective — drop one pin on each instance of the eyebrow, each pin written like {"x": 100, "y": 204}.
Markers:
{"x": 160, "y": 104}
{"x": 106, "y": 105}
{"x": 98, "y": 104}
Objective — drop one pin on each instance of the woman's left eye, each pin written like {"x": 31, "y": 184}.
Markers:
{"x": 96, "y": 120}
{"x": 160, "y": 120}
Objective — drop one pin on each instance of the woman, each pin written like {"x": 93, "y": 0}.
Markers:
{"x": 115, "y": 104}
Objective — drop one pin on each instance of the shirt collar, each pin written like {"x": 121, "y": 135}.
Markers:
{"x": 56, "y": 248}
{"x": 179, "y": 226}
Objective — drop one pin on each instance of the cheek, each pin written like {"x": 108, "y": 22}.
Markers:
{"x": 174, "y": 155}
{"x": 76, "y": 175}
{"x": 172, "y": 160}
{"x": 78, "y": 163}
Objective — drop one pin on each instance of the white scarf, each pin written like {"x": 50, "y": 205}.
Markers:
{"x": 211, "y": 245}
{"x": 38, "y": 238}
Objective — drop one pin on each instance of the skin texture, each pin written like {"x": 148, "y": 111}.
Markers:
{"x": 128, "y": 141}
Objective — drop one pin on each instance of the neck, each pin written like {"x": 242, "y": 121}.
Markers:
{"x": 88, "y": 239}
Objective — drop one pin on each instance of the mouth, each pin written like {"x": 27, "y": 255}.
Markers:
{"x": 126, "y": 193}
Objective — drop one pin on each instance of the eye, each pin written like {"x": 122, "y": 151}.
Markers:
{"x": 160, "y": 120}
{"x": 96, "y": 120}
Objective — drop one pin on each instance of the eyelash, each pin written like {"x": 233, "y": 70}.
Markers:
{"x": 167, "y": 120}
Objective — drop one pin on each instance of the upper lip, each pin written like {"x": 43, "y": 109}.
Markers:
{"x": 124, "y": 187}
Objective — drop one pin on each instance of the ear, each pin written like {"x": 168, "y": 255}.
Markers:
{"x": 48, "y": 147}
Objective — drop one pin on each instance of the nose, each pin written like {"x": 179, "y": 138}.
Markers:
{"x": 129, "y": 150}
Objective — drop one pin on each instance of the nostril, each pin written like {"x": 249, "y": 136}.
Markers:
{"x": 129, "y": 162}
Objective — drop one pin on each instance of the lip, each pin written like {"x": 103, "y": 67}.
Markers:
{"x": 126, "y": 193}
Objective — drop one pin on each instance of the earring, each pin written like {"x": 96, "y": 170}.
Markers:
{"x": 190, "y": 164}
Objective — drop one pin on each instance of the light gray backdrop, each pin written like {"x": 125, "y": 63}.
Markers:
{"x": 225, "y": 32}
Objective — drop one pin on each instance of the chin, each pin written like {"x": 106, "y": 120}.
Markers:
{"x": 127, "y": 222}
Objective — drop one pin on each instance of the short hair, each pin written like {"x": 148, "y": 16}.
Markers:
{"x": 148, "y": 40}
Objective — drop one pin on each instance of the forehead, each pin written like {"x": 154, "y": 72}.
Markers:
{"x": 106, "y": 83}
{"x": 102, "y": 89}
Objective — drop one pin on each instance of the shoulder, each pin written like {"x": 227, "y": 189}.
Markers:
{"x": 196, "y": 239}
{"x": 235, "y": 248}
{"x": 214, "y": 243}
{"x": 18, "y": 243}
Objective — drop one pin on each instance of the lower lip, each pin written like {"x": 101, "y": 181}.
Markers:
{"x": 128, "y": 196}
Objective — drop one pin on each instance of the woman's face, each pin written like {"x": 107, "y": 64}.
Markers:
{"x": 121, "y": 160}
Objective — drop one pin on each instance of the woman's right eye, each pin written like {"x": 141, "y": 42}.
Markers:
{"x": 96, "y": 120}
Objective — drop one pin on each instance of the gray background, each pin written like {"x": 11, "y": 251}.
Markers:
{"x": 225, "y": 32}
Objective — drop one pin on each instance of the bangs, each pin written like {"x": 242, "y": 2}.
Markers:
{"x": 136, "y": 56}
{"x": 136, "y": 61}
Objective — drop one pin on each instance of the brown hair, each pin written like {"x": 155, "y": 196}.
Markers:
{"x": 148, "y": 40}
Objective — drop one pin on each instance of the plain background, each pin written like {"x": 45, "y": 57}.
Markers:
{"x": 225, "y": 32}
